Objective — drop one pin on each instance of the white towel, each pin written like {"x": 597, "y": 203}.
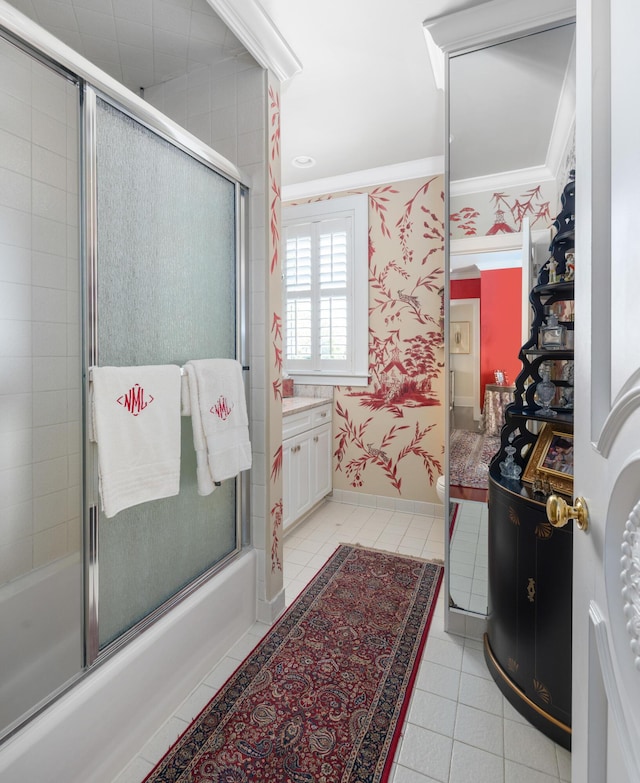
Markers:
{"x": 221, "y": 435}
{"x": 136, "y": 424}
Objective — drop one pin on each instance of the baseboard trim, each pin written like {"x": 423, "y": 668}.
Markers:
{"x": 391, "y": 504}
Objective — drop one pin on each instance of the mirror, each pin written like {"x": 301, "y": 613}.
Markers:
{"x": 511, "y": 142}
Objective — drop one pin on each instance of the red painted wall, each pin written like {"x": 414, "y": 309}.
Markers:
{"x": 500, "y": 324}
{"x": 499, "y": 292}
{"x": 465, "y": 289}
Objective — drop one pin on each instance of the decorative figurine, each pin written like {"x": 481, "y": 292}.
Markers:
{"x": 570, "y": 267}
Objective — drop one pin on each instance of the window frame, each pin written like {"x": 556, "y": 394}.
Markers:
{"x": 316, "y": 371}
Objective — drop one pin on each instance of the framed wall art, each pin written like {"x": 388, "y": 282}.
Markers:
{"x": 460, "y": 337}
{"x": 552, "y": 459}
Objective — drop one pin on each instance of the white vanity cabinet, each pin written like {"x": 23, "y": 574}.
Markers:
{"x": 306, "y": 456}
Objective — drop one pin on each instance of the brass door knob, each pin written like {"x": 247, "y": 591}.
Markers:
{"x": 559, "y": 512}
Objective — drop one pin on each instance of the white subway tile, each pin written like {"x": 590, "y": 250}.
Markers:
{"x": 15, "y": 449}
{"x": 49, "y": 407}
{"x": 49, "y": 442}
{"x": 207, "y": 27}
{"x": 199, "y": 93}
{"x": 15, "y": 338}
{"x": 74, "y": 535}
{"x": 15, "y": 412}
{"x": 15, "y": 375}
{"x": 48, "y": 132}
{"x": 49, "y": 236}
{"x": 49, "y": 167}
{"x": 15, "y": 227}
{"x": 251, "y": 116}
{"x": 49, "y": 202}
{"x": 49, "y": 510}
{"x": 15, "y": 301}
{"x": 71, "y": 179}
{"x": 16, "y": 522}
{"x": 16, "y": 559}
{"x": 228, "y": 148}
{"x": 251, "y": 85}
{"x": 140, "y": 11}
{"x": 49, "y": 373}
{"x": 49, "y": 271}
{"x": 16, "y": 485}
{"x": 15, "y": 190}
{"x": 15, "y": 265}
{"x": 15, "y": 74}
{"x": 223, "y": 92}
{"x": 200, "y": 126}
{"x": 50, "y": 304}
{"x": 48, "y": 93}
{"x": 251, "y": 147}
{"x": 223, "y": 124}
{"x": 100, "y": 25}
{"x": 49, "y": 545}
{"x": 16, "y": 115}
{"x": 168, "y": 16}
{"x": 50, "y": 476}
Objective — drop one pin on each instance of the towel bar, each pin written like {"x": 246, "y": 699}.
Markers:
{"x": 182, "y": 371}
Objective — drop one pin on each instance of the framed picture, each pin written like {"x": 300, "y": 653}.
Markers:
{"x": 552, "y": 459}
{"x": 460, "y": 337}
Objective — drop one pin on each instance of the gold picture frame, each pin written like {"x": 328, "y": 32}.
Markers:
{"x": 460, "y": 337}
{"x": 552, "y": 458}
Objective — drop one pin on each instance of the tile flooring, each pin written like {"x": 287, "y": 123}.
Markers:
{"x": 468, "y": 580}
{"x": 459, "y": 729}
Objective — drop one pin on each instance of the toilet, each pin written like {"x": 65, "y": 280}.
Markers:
{"x": 441, "y": 488}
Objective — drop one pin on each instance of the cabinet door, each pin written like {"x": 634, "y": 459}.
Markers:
{"x": 288, "y": 483}
{"x": 321, "y": 462}
{"x": 301, "y": 474}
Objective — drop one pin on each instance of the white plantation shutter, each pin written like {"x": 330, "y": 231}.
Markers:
{"x": 326, "y": 291}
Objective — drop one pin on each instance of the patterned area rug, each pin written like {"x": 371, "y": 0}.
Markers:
{"x": 322, "y": 697}
{"x": 469, "y": 456}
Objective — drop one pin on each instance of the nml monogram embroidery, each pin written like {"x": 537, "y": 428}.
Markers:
{"x": 222, "y": 409}
{"x": 134, "y": 400}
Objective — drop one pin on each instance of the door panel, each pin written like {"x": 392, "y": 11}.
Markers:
{"x": 606, "y": 682}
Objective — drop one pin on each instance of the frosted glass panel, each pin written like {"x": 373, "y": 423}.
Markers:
{"x": 166, "y": 294}
{"x": 41, "y": 634}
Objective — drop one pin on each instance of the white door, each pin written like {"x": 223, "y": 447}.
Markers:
{"x": 606, "y": 609}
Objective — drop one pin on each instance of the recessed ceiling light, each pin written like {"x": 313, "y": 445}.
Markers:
{"x": 304, "y": 162}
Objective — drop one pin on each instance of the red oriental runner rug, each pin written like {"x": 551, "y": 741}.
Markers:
{"x": 322, "y": 698}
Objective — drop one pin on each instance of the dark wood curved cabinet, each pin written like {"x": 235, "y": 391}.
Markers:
{"x": 528, "y": 639}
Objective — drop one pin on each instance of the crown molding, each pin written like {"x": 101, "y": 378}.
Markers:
{"x": 398, "y": 172}
{"x": 495, "y": 21}
{"x": 564, "y": 122}
{"x": 249, "y": 22}
{"x": 501, "y": 180}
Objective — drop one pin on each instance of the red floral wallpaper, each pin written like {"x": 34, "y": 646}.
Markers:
{"x": 389, "y": 436}
{"x": 274, "y": 366}
{"x": 490, "y": 213}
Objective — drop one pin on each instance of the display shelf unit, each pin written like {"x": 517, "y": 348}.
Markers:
{"x": 528, "y": 639}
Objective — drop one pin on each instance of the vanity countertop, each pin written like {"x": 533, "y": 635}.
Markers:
{"x": 297, "y": 404}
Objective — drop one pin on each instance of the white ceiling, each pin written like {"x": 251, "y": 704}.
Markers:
{"x": 365, "y": 97}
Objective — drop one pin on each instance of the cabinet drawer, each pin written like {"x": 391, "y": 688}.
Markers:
{"x": 321, "y": 415}
{"x": 295, "y": 423}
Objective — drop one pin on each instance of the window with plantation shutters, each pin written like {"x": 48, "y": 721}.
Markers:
{"x": 326, "y": 290}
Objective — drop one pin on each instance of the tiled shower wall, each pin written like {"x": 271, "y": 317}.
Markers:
{"x": 40, "y": 405}
{"x": 225, "y": 107}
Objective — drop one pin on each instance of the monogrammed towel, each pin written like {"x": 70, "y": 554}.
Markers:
{"x": 136, "y": 425}
{"x": 221, "y": 436}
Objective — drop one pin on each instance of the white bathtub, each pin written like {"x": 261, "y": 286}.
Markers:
{"x": 44, "y": 649}
{"x": 90, "y": 733}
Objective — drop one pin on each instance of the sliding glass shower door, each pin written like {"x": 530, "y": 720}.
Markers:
{"x": 165, "y": 292}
